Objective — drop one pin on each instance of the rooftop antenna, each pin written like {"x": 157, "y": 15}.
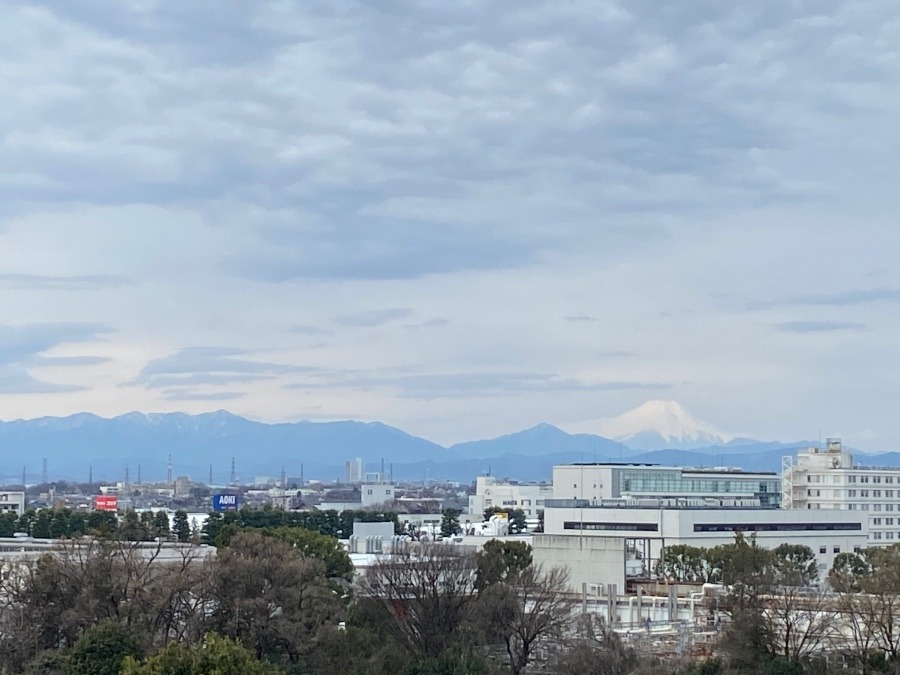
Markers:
{"x": 169, "y": 470}
{"x": 44, "y": 480}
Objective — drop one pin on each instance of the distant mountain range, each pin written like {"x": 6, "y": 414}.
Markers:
{"x": 659, "y": 432}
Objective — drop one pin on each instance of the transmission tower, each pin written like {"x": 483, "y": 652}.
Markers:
{"x": 44, "y": 480}
{"x": 233, "y": 473}
{"x": 169, "y": 471}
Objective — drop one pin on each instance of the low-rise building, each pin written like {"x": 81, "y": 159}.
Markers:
{"x": 12, "y": 501}
{"x": 490, "y": 493}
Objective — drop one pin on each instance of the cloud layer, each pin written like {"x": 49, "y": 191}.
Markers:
{"x": 461, "y": 218}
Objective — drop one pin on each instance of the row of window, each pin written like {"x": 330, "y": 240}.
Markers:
{"x": 887, "y": 535}
{"x": 837, "y": 494}
{"x": 889, "y": 480}
{"x": 853, "y": 507}
{"x": 777, "y": 527}
{"x": 636, "y": 527}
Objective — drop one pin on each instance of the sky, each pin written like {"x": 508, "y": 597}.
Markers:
{"x": 459, "y": 218}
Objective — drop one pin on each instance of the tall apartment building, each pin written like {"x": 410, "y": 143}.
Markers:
{"x": 354, "y": 471}
{"x": 826, "y": 479}
{"x": 490, "y": 492}
{"x": 596, "y": 482}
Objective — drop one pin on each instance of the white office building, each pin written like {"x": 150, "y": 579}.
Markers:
{"x": 609, "y": 542}
{"x": 490, "y": 492}
{"x": 596, "y": 482}
{"x": 827, "y": 480}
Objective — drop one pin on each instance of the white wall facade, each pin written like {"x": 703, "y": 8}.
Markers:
{"x": 489, "y": 492}
{"x": 13, "y": 501}
{"x": 826, "y": 533}
{"x": 827, "y": 480}
{"x": 589, "y": 560}
{"x": 374, "y": 494}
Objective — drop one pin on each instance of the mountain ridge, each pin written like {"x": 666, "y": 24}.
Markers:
{"x": 74, "y": 443}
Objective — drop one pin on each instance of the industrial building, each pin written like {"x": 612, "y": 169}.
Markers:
{"x": 606, "y": 543}
{"x": 826, "y": 479}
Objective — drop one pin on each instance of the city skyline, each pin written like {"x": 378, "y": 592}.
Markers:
{"x": 459, "y": 220}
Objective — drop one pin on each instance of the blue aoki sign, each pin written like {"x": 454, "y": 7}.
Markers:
{"x": 224, "y": 502}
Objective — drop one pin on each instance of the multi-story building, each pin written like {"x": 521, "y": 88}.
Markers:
{"x": 609, "y": 541}
{"x": 12, "y": 501}
{"x": 826, "y": 479}
{"x": 596, "y": 482}
{"x": 490, "y": 492}
{"x": 354, "y": 471}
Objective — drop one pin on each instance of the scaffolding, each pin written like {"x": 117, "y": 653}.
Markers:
{"x": 787, "y": 482}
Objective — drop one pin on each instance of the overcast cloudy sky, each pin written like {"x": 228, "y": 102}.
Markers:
{"x": 461, "y": 218}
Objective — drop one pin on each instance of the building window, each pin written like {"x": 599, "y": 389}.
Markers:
{"x": 851, "y": 493}
{"x": 823, "y": 550}
{"x": 878, "y": 535}
{"x": 877, "y": 507}
{"x": 876, "y": 493}
{"x": 836, "y": 549}
{"x": 888, "y": 507}
{"x": 876, "y": 479}
{"x": 889, "y": 479}
{"x": 876, "y": 521}
{"x": 851, "y": 479}
{"x": 864, "y": 479}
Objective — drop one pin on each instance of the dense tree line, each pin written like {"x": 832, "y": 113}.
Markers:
{"x": 66, "y": 523}
{"x": 330, "y": 523}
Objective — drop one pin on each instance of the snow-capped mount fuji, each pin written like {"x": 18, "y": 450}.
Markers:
{"x": 659, "y": 425}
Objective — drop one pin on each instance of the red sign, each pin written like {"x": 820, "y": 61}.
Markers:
{"x": 106, "y": 503}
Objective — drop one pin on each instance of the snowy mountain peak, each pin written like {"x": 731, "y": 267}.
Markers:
{"x": 657, "y": 425}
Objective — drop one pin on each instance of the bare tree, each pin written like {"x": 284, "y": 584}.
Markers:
{"x": 799, "y": 621}
{"x": 529, "y": 606}
{"x": 428, "y": 589}
{"x": 596, "y": 650}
